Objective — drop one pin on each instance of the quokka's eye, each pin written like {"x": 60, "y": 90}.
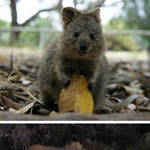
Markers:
{"x": 76, "y": 34}
{"x": 92, "y": 36}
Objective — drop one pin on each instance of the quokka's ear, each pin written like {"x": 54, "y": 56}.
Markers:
{"x": 68, "y": 14}
{"x": 95, "y": 14}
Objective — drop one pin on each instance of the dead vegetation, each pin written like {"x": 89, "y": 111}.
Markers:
{"x": 128, "y": 89}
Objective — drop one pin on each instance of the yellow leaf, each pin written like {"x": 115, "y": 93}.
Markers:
{"x": 76, "y": 97}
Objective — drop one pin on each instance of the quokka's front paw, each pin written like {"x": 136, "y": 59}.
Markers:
{"x": 91, "y": 86}
{"x": 66, "y": 82}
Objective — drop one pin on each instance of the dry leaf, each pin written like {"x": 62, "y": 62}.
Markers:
{"x": 12, "y": 110}
{"x": 132, "y": 91}
{"x": 6, "y": 102}
{"x": 131, "y": 107}
{"x": 127, "y": 101}
{"x": 143, "y": 109}
{"x": 76, "y": 97}
{"x": 141, "y": 101}
{"x": 125, "y": 110}
{"x": 23, "y": 110}
{"x": 25, "y": 81}
{"x": 53, "y": 113}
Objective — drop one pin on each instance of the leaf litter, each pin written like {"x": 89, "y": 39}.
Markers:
{"x": 128, "y": 89}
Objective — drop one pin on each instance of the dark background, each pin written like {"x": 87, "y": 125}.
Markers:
{"x": 91, "y": 136}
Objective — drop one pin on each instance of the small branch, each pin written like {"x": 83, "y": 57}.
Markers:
{"x": 113, "y": 4}
{"x": 35, "y": 15}
{"x": 57, "y": 7}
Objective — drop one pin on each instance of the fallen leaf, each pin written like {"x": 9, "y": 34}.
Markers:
{"x": 6, "y": 102}
{"x": 141, "y": 101}
{"x": 53, "y": 113}
{"x": 131, "y": 90}
{"x": 127, "y": 101}
{"x": 25, "y": 81}
{"x": 131, "y": 107}
{"x": 143, "y": 109}
{"x": 76, "y": 97}
{"x": 24, "y": 109}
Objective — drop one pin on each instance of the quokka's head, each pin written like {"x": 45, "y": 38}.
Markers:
{"x": 82, "y": 36}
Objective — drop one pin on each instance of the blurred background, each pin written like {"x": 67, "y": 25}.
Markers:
{"x": 90, "y": 136}
{"x": 34, "y": 24}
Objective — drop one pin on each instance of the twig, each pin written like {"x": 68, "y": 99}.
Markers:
{"x": 21, "y": 97}
{"x": 26, "y": 90}
{"x": 31, "y": 95}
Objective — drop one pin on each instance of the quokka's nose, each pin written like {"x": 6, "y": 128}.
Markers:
{"x": 83, "y": 47}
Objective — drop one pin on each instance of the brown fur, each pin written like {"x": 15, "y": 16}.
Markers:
{"x": 72, "y": 146}
{"x": 64, "y": 58}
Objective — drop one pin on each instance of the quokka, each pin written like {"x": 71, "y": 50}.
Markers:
{"x": 80, "y": 49}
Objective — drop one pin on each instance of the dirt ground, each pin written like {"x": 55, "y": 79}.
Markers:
{"x": 128, "y": 89}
